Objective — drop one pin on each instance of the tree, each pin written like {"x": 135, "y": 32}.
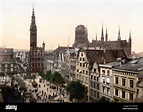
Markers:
{"x": 103, "y": 100}
{"x": 56, "y": 78}
{"x": 34, "y": 84}
{"x": 76, "y": 90}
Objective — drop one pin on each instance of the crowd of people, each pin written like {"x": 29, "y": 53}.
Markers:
{"x": 46, "y": 92}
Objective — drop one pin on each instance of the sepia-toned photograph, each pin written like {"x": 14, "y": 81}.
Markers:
{"x": 71, "y": 51}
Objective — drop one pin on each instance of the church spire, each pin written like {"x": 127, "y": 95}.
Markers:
{"x": 130, "y": 39}
{"x": 102, "y": 34}
{"x": 106, "y": 35}
{"x": 33, "y": 25}
{"x": 33, "y": 31}
{"x": 119, "y": 37}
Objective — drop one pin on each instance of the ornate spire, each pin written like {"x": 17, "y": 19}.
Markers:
{"x": 106, "y": 35}
{"x": 130, "y": 39}
{"x": 33, "y": 17}
{"x": 119, "y": 37}
{"x": 33, "y": 25}
{"x": 102, "y": 34}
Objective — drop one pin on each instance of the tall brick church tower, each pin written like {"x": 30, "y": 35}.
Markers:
{"x": 36, "y": 54}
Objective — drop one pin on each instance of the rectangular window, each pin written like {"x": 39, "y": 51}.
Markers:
{"x": 91, "y": 77}
{"x": 83, "y": 64}
{"x": 83, "y": 71}
{"x": 97, "y": 95}
{"x": 86, "y": 72}
{"x": 131, "y": 83}
{"x": 123, "y": 82}
{"x": 77, "y": 70}
{"x": 91, "y": 84}
{"x": 94, "y": 77}
{"x": 123, "y": 94}
{"x": 116, "y": 80}
{"x": 116, "y": 92}
{"x": 97, "y": 78}
{"x": 80, "y": 64}
{"x": 83, "y": 59}
{"x": 91, "y": 92}
{"x": 94, "y": 70}
{"x": 97, "y": 86}
{"x": 80, "y": 59}
{"x": 131, "y": 96}
{"x": 103, "y": 89}
{"x": 103, "y": 72}
{"x": 108, "y": 73}
{"x": 103, "y": 79}
{"x": 108, "y": 91}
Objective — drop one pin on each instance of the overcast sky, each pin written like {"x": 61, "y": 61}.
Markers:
{"x": 56, "y": 21}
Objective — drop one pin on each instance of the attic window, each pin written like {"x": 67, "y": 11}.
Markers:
{"x": 81, "y": 54}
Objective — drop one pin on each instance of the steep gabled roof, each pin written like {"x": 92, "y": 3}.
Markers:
{"x": 62, "y": 49}
{"x": 104, "y": 56}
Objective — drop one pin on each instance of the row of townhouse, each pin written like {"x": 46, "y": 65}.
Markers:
{"x": 6, "y": 61}
{"x": 109, "y": 74}
{"x": 63, "y": 60}
{"x": 120, "y": 80}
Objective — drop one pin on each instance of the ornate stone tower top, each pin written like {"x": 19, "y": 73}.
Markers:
{"x": 81, "y": 39}
{"x": 33, "y": 31}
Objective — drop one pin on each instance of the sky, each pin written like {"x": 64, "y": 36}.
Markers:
{"x": 56, "y": 21}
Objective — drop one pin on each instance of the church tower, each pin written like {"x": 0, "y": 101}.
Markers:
{"x": 36, "y": 54}
{"x": 33, "y": 32}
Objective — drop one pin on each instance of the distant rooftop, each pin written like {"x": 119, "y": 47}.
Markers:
{"x": 135, "y": 65}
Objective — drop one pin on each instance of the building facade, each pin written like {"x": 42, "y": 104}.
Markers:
{"x": 87, "y": 58}
{"x": 125, "y": 81}
{"x": 36, "y": 54}
{"x": 6, "y": 61}
{"x": 101, "y": 74}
